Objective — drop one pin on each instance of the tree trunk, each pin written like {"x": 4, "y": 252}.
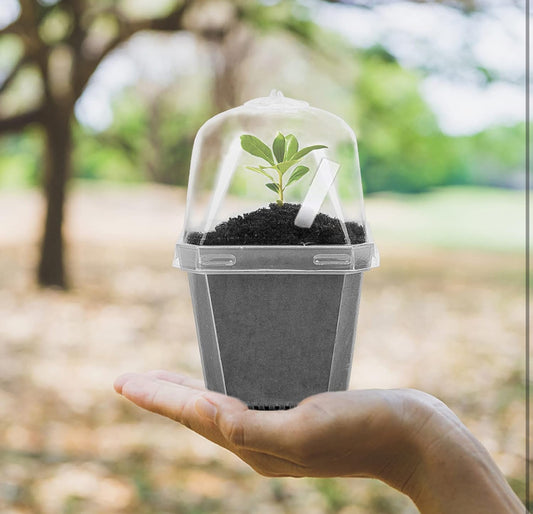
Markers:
{"x": 58, "y": 145}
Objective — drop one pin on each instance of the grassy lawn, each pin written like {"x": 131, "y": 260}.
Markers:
{"x": 454, "y": 217}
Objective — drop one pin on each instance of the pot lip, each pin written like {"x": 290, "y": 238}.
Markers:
{"x": 244, "y": 247}
{"x": 275, "y": 259}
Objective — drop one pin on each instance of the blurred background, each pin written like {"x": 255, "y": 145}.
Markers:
{"x": 99, "y": 105}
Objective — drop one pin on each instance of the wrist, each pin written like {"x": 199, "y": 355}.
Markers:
{"x": 413, "y": 425}
{"x": 398, "y": 446}
{"x": 450, "y": 471}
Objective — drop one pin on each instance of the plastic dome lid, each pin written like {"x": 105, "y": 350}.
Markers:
{"x": 275, "y": 150}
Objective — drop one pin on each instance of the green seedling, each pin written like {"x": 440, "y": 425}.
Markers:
{"x": 282, "y": 157}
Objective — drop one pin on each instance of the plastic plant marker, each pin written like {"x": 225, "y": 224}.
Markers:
{"x": 335, "y": 200}
{"x": 318, "y": 190}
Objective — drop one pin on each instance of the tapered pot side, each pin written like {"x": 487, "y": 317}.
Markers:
{"x": 273, "y": 339}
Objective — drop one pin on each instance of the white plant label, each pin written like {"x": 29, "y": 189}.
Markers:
{"x": 318, "y": 190}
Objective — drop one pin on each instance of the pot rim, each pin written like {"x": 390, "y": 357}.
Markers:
{"x": 261, "y": 259}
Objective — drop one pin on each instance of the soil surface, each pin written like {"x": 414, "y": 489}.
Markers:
{"x": 274, "y": 225}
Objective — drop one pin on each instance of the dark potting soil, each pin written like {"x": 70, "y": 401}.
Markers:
{"x": 274, "y": 225}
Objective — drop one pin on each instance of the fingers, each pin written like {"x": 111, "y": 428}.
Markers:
{"x": 176, "y": 378}
{"x": 167, "y": 376}
{"x": 177, "y": 402}
{"x": 223, "y": 419}
{"x": 168, "y": 398}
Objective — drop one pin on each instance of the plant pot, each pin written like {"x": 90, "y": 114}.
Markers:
{"x": 274, "y": 337}
{"x": 275, "y": 285}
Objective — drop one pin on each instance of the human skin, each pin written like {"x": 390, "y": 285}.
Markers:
{"x": 406, "y": 438}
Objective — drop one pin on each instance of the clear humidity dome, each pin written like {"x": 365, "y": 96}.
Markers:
{"x": 276, "y": 151}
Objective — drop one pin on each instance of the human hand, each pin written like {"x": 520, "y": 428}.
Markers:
{"x": 406, "y": 438}
{"x": 353, "y": 433}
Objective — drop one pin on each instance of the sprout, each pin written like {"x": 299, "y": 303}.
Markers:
{"x": 282, "y": 157}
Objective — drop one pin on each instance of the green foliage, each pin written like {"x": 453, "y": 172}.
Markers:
{"x": 333, "y": 493}
{"x": 286, "y": 154}
{"x": 20, "y": 160}
{"x": 494, "y": 156}
{"x": 273, "y": 187}
{"x": 148, "y": 140}
{"x": 297, "y": 174}
{"x": 285, "y": 15}
{"x": 400, "y": 143}
{"x": 304, "y": 151}
{"x": 256, "y": 147}
{"x": 401, "y": 147}
{"x": 291, "y": 146}
{"x": 278, "y": 147}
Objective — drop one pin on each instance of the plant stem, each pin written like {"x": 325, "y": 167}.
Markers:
{"x": 280, "y": 188}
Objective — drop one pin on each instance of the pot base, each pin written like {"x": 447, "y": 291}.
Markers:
{"x": 272, "y": 340}
{"x": 285, "y": 406}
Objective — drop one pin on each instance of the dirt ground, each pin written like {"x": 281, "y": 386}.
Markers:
{"x": 448, "y": 322}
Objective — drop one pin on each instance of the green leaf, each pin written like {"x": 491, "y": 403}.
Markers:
{"x": 297, "y": 174}
{"x": 260, "y": 170}
{"x": 274, "y": 187}
{"x": 282, "y": 167}
{"x": 256, "y": 147}
{"x": 304, "y": 151}
{"x": 291, "y": 146}
{"x": 278, "y": 147}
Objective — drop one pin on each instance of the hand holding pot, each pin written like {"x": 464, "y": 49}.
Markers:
{"x": 406, "y": 438}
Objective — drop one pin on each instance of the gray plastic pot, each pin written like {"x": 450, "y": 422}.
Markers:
{"x": 273, "y": 340}
{"x": 276, "y": 325}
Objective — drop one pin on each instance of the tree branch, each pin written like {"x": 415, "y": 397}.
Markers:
{"x": 14, "y": 72}
{"x": 26, "y": 27}
{"x": 171, "y": 22}
{"x": 15, "y": 27}
{"x": 17, "y": 122}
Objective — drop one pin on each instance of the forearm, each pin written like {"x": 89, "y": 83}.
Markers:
{"x": 455, "y": 473}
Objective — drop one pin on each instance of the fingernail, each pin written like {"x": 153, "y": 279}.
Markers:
{"x": 205, "y": 408}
